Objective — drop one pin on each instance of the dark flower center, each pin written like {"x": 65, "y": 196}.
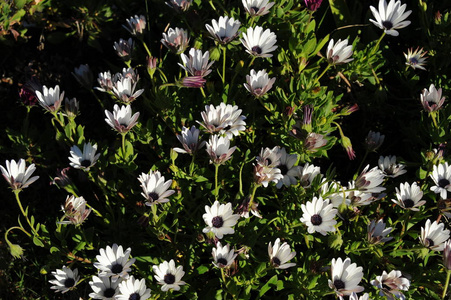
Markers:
{"x": 387, "y": 25}
{"x": 69, "y": 282}
{"x": 283, "y": 169}
{"x": 109, "y": 292}
{"x": 408, "y": 203}
{"x": 85, "y": 163}
{"x": 254, "y": 9}
{"x": 316, "y": 220}
{"x": 269, "y": 161}
{"x": 443, "y": 182}
{"x": 257, "y": 49}
{"x": 339, "y": 284}
{"x": 134, "y": 296}
{"x": 217, "y": 222}
{"x": 275, "y": 261}
{"x": 222, "y": 261}
{"x": 430, "y": 242}
{"x": 413, "y": 60}
{"x": 154, "y": 196}
{"x": 116, "y": 268}
{"x": 169, "y": 278}
{"x": 430, "y": 104}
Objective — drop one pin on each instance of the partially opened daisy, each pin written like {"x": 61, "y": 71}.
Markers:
{"x": 180, "y": 5}
{"x": 219, "y": 219}
{"x": 374, "y": 140}
{"x": 265, "y": 168}
{"x": 390, "y": 17}
{"x": 391, "y": 284}
{"x": 18, "y": 175}
{"x": 287, "y": 168}
{"x": 75, "y": 211}
{"x": 224, "y": 30}
{"x": 279, "y": 255}
{"x": 224, "y": 119}
{"x": 121, "y": 119}
{"x": 176, "y": 40}
{"x": 169, "y": 276}
{"x": 124, "y": 90}
{"x": 223, "y": 256}
{"x": 257, "y": 7}
{"x": 219, "y": 150}
{"x": 432, "y": 99}
{"x": 345, "y": 277}
{"x": 124, "y": 48}
{"x": 339, "y": 52}
{"x": 65, "y": 280}
{"x": 105, "y": 81}
{"x": 354, "y": 296}
{"x": 136, "y": 25}
{"x": 196, "y": 63}
{"x": 441, "y": 175}
{"x": 409, "y": 196}
{"x": 50, "y": 98}
{"x": 86, "y": 159}
{"x": 114, "y": 263}
{"x": 415, "y": 58}
{"x": 307, "y": 174}
{"x": 434, "y": 235}
{"x": 319, "y": 216}
{"x": 389, "y": 167}
{"x": 369, "y": 181}
{"x": 155, "y": 188}
{"x": 259, "y": 43}
{"x": 189, "y": 138}
{"x": 103, "y": 288}
{"x": 258, "y": 83}
{"x": 377, "y": 233}
{"x": 133, "y": 289}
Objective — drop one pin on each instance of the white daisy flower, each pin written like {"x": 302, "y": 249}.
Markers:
{"x": 339, "y": 52}
{"x": 354, "y": 296}
{"x": 169, "y": 276}
{"x": 65, "y": 280}
{"x": 71, "y": 107}
{"x": 224, "y": 119}
{"x": 390, "y": 17}
{"x": 441, "y": 175}
{"x": 345, "y": 277}
{"x": 432, "y": 99}
{"x": 415, "y": 58}
{"x": 103, "y": 288}
{"x": 307, "y": 174}
{"x": 18, "y": 174}
{"x": 176, "y": 40}
{"x": 258, "y": 83}
{"x": 369, "y": 181}
{"x": 389, "y": 167}
{"x": 189, "y": 140}
{"x": 447, "y": 255}
{"x": 86, "y": 159}
{"x": 223, "y": 256}
{"x": 105, "y": 81}
{"x": 133, "y": 289}
{"x": 218, "y": 147}
{"x": 319, "y": 215}
{"x": 113, "y": 262}
{"x": 83, "y": 75}
{"x": 50, "y": 98}
{"x": 180, "y": 5}
{"x": 314, "y": 141}
{"x": 266, "y": 170}
{"x": 374, "y": 140}
{"x": 287, "y": 168}
{"x": 257, "y": 7}
{"x": 224, "y": 30}
{"x": 124, "y": 90}
{"x": 279, "y": 255}
{"x": 219, "y": 219}
{"x": 121, "y": 119}
{"x": 434, "y": 235}
{"x": 358, "y": 198}
{"x": 259, "y": 43}
{"x": 136, "y": 25}
{"x": 155, "y": 189}
{"x": 124, "y": 48}
{"x": 197, "y": 63}
{"x": 377, "y": 233}
{"x": 409, "y": 196}
{"x": 335, "y": 192}
{"x": 391, "y": 284}
{"x": 75, "y": 210}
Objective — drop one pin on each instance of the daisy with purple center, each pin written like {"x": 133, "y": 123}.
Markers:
{"x": 220, "y": 219}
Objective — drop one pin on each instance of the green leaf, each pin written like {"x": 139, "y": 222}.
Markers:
{"x": 54, "y": 250}
{"x": 37, "y": 242}
{"x": 20, "y": 3}
{"x": 267, "y": 286}
{"x": 202, "y": 269}
{"x": 335, "y": 241}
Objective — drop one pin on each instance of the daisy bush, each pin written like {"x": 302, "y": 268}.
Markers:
{"x": 230, "y": 149}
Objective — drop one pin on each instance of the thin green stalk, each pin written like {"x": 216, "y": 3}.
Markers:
{"x": 321, "y": 75}
{"x": 433, "y": 115}
{"x": 252, "y": 61}
{"x": 377, "y": 44}
{"x": 223, "y": 276}
{"x": 224, "y": 49}
{"x": 254, "y": 189}
{"x": 147, "y": 48}
{"x": 123, "y": 144}
{"x": 16, "y": 192}
{"x": 445, "y": 289}
{"x": 154, "y": 213}
{"x": 15, "y": 227}
{"x": 203, "y": 92}
{"x": 216, "y": 181}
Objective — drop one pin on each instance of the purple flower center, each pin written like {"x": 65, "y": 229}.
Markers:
{"x": 275, "y": 261}
{"x": 116, "y": 268}
{"x": 316, "y": 220}
{"x": 69, "y": 282}
{"x": 408, "y": 203}
{"x": 217, "y": 222}
{"x": 256, "y": 50}
{"x": 339, "y": 284}
{"x": 443, "y": 182}
{"x": 283, "y": 169}
{"x": 429, "y": 242}
{"x": 134, "y": 296}
{"x": 222, "y": 262}
{"x": 169, "y": 278}
{"x": 109, "y": 293}
{"x": 387, "y": 25}
{"x": 154, "y": 196}
{"x": 85, "y": 163}
{"x": 254, "y": 9}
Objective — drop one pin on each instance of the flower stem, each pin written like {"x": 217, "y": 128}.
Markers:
{"x": 216, "y": 181}
{"x": 147, "y": 48}
{"x": 224, "y": 50}
{"x": 123, "y": 144}
{"x": 377, "y": 44}
{"x": 445, "y": 289}
{"x": 251, "y": 200}
{"x": 203, "y": 92}
{"x": 321, "y": 75}
{"x": 16, "y": 192}
{"x": 154, "y": 213}
{"x": 224, "y": 278}
{"x": 433, "y": 114}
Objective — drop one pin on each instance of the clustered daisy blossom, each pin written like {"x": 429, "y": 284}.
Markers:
{"x": 319, "y": 216}
{"x": 133, "y": 289}
{"x": 219, "y": 150}
{"x": 224, "y": 30}
{"x": 196, "y": 63}
{"x": 50, "y": 98}
{"x": 223, "y": 256}
{"x": 390, "y": 17}
{"x": 287, "y": 168}
{"x": 339, "y": 52}
{"x": 155, "y": 188}
{"x": 377, "y": 233}
{"x": 258, "y": 83}
{"x": 224, "y": 119}
{"x": 415, "y": 58}
{"x": 103, "y": 288}
{"x": 136, "y": 25}
{"x": 18, "y": 175}
{"x": 441, "y": 175}
{"x": 434, "y": 235}
{"x": 265, "y": 168}
{"x": 86, "y": 159}
{"x": 345, "y": 277}
{"x": 219, "y": 219}
{"x": 259, "y": 43}
{"x": 257, "y": 7}
{"x": 189, "y": 138}
{"x": 114, "y": 263}
{"x": 65, "y": 279}
{"x": 391, "y": 284}
{"x": 279, "y": 255}
{"x": 409, "y": 196}
{"x": 168, "y": 276}
{"x": 121, "y": 119}
{"x": 75, "y": 210}
{"x": 389, "y": 167}
{"x": 432, "y": 99}
{"x": 176, "y": 40}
